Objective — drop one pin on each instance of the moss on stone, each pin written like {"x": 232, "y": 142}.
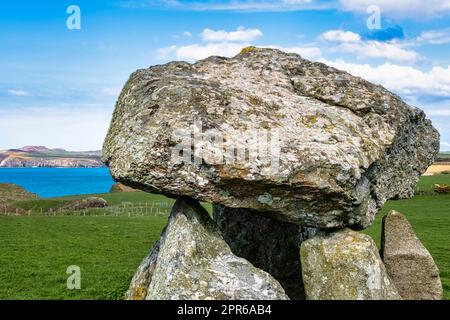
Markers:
{"x": 249, "y": 49}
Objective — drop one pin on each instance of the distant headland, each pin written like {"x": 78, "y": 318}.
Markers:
{"x": 40, "y": 156}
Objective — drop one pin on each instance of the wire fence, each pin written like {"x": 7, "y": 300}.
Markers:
{"x": 125, "y": 209}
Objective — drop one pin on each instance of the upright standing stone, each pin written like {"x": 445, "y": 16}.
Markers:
{"x": 344, "y": 265}
{"x": 192, "y": 261}
{"x": 408, "y": 263}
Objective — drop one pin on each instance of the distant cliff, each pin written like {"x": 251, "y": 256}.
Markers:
{"x": 39, "y": 156}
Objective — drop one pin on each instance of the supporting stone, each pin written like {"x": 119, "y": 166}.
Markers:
{"x": 192, "y": 261}
{"x": 408, "y": 263}
{"x": 344, "y": 265}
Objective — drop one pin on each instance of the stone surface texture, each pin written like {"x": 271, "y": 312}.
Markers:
{"x": 344, "y": 265}
{"x": 192, "y": 261}
{"x": 86, "y": 203}
{"x": 141, "y": 280}
{"x": 346, "y": 145}
{"x": 408, "y": 263}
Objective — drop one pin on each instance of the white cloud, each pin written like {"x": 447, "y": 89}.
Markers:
{"x": 377, "y": 49}
{"x": 310, "y": 53}
{"x": 341, "y": 36}
{"x": 240, "y": 35}
{"x": 405, "y": 80}
{"x": 215, "y": 43}
{"x": 200, "y": 51}
{"x": 19, "y": 93}
{"x": 226, "y": 49}
{"x": 184, "y": 34}
{"x": 434, "y": 37}
{"x": 232, "y": 5}
{"x": 228, "y": 44}
{"x": 417, "y": 9}
{"x": 166, "y": 53}
{"x": 445, "y": 145}
{"x": 400, "y": 8}
{"x": 296, "y": 1}
{"x": 350, "y": 42}
{"x": 427, "y": 37}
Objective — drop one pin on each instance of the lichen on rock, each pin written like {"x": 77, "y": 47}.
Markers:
{"x": 192, "y": 261}
{"x": 408, "y": 263}
{"x": 345, "y": 145}
{"x": 344, "y": 265}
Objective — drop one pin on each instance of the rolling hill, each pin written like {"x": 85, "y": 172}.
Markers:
{"x": 39, "y": 156}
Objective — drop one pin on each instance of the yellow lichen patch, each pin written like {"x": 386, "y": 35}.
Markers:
{"x": 329, "y": 127}
{"x": 139, "y": 293}
{"x": 310, "y": 120}
{"x": 248, "y": 49}
{"x": 265, "y": 125}
{"x": 255, "y": 101}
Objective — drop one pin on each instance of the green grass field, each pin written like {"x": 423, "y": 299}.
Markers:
{"x": 108, "y": 245}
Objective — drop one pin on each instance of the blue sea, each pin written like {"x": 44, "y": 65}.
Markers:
{"x": 58, "y": 182}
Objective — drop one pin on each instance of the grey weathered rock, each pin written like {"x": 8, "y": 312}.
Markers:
{"x": 118, "y": 188}
{"x": 346, "y": 145}
{"x": 13, "y": 192}
{"x": 267, "y": 243}
{"x": 141, "y": 280}
{"x": 408, "y": 263}
{"x": 86, "y": 203}
{"x": 344, "y": 265}
{"x": 192, "y": 261}
{"x": 441, "y": 188}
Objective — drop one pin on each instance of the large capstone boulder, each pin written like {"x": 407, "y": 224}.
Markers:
{"x": 344, "y": 265}
{"x": 192, "y": 261}
{"x": 271, "y": 132}
{"x": 267, "y": 243}
{"x": 408, "y": 263}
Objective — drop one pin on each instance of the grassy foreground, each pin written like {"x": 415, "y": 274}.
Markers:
{"x": 108, "y": 245}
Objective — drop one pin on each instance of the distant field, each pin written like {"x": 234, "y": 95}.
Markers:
{"x": 439, "y": 168}
{"x": 108, "y": 245}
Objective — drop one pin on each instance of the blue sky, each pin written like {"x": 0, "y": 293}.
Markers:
{"x": 58, "y": 86}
